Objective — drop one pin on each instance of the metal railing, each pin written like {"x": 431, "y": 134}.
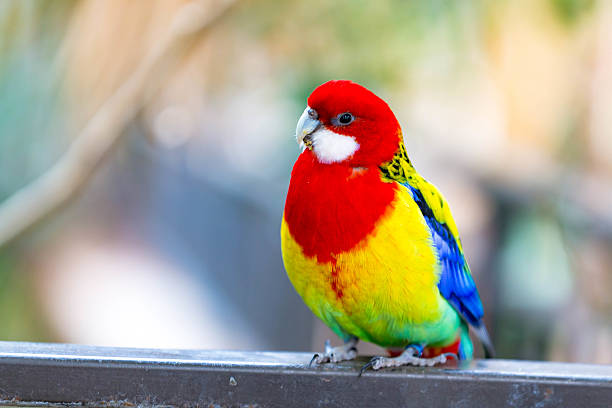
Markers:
{"x": 59, "y": 374}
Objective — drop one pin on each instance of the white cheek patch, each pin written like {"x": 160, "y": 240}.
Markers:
{"x": 332, "y": 147}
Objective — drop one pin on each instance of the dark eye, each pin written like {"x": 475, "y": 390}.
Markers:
{"x": 345, "y": 118}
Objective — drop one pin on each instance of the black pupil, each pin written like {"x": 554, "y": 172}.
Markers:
{"x": 345, "y": 118}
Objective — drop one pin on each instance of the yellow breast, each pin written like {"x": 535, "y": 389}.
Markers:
{"x": 384, "y": 289}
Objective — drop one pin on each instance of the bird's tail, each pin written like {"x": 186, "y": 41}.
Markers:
{"x": 483, "y": 336}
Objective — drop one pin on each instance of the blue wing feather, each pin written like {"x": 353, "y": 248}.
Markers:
{"x": 456, "y": 284}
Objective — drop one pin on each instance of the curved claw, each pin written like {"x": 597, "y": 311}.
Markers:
{"x": 313, "y": 359}
{"x": 347, "y": 351}
{"x": 369, "y": 364}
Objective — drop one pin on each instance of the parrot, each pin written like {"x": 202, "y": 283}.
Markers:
{"x": 371, "y": 246}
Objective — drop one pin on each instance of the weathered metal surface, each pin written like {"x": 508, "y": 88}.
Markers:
{"x": 52, "y": 374}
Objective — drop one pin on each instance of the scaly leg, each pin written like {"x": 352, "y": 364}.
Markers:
{"x": 347, "y": 351}
{"x": 410, "y": 356}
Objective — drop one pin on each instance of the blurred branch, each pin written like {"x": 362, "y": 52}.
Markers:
{"x": 94, "y": 143}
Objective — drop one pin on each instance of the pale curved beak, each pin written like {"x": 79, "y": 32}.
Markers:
{"x": 306, "y": 126}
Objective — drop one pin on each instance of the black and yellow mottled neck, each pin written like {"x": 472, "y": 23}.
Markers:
{"x": 430, "y": 201}
{"x": 399, "y": 168}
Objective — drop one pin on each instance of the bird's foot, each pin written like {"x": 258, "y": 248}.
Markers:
{"x": 410, "y": 356}
{"x": 347, "y": 351}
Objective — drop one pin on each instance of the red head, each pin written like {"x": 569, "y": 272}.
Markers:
{"x": 346, "y": 123}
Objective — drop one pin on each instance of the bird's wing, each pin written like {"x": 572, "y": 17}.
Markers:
{"x": 456, "y": 284}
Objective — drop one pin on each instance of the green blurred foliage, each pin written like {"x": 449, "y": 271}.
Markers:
{"x": 571, "y": 11}
{"x": 20, "y": 314}
{"x": 31, "y": 119}
{"x": 32, "y": 136}
{"x": 536, "y": 281}
{"x": 375, "y": 43}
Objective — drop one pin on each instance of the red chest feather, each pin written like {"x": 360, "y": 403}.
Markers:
{"x": 331, "y": 207}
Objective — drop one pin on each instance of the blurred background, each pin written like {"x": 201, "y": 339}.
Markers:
{"x": 146, "y": 148}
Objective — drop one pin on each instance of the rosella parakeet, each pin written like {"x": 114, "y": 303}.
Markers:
{"x": 369, "y": 245}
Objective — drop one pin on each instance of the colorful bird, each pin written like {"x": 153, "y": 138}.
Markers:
{"x": 369, "y": 245}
